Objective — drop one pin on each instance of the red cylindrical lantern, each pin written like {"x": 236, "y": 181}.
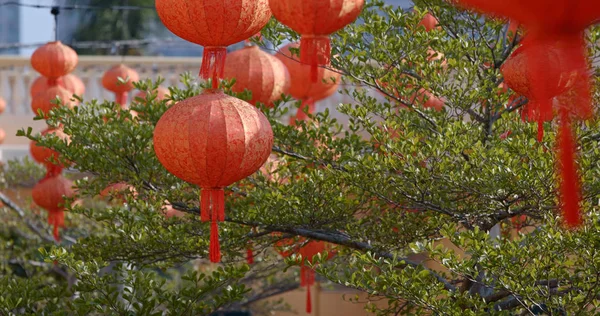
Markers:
{"x": 287, "y": 247}
{"x": 44, "y": 100}
{"x": 112, "y": 78}
{"x": 214, "y": 24}
{"x": 49, "y": 194}
{"x": 54, "y": 60}
{"x": 315, "y": 20}
{"x": 118, "y": 191}
{"x": 261, "y": 73}
{"x": 213, "y": 140}
{"x": 560, "y": 27}
{"x": 301, "y": 87}
{"x": 70, "y": 82}
{"x": 43, "y": 155}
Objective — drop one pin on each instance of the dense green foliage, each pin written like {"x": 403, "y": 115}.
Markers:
{"x": 390, "y": 187}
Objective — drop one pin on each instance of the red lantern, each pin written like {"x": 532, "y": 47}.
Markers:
{"x": 112, "y": 78}
{"x": 315, "y": 20}
{"x": 44, "y": 100}
{"x": 54, "y": 60}
{"x": 118, "y": 191}
{"x": 49, "y": 194}
{"x": 261, "y": 73}
{"x": 2, "y": 105}
{"x": 214, "y": 24}
{"x": 213, "y": 140}
{"x": 560, "y": 26}
{"x": 2, "y": 136}
{"x": 310, "y": 249}
{"x": 429, "y": 22}
{"x": 169, "y": 211}
{"x": 44, "y": 155}
{"x": 70, "y": 82}
{"x": 301, "y": 87}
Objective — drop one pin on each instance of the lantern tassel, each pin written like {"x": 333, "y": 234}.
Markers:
{"x": 56, "y": 219}
{"x": 215, "y": 247}
{"x": 213, "y": 64}
{"x": 315, "y": 51}
{"x": 308, "y": 300}
{"x": 569, "y": 181}
{"x": 121, "y": 99}
{"x": 212, "y": 208}
{"x": 205, "y": 196}
{"x": 249, "y": 255}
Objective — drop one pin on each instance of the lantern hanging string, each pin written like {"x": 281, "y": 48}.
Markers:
{"x": 55, "y": 11}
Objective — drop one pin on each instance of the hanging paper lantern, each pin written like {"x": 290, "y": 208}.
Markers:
{"x": 558, "y": 26}
{"x": 49, "y": 194}
{"x": 118, "y": 191}
{"x": 44, "y": 155}
{"x": 119, "y": 80}
{"x": 162, "y": 93}
{"x": 261, "y": 73}
{"x": 44, "y": 100}
{"x": 70, "y": 82}
{"x": 429, "y": 22}
{"x": 301, "y": 87}
{"x": 214, "y": 24}
{"x": 54, "y": 60}
{"x": 2, "y": 136}
{"x": 2, "y": 105}
{"x": 427, "y": 99}
{"x": 288, "y": 247}
{"x": 169, "y": 211}
{"x": 315, "y": 20}
{"x": 213, "y": 140}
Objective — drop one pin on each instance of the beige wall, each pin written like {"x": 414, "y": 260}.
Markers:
{"x": 325, "y": 302}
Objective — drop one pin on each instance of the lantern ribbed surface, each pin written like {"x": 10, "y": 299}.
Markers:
{"x": 213, "y": 140}
{"x": 54, "y": 60}
{"x": 49, "y": 194}
{"x": 214, "y": 24}
{"x": 262, "y": 73}
{"x": 70, "y": 82}
{"x": 44, "y": 100}
{"x": 43, "y": 155}
{"x": 315, "y": 20}
{"x": 111, "y": 82}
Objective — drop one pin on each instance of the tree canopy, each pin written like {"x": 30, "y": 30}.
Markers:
{"x": 408, "y": 196}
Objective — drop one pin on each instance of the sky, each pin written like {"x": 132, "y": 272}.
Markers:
{"x": 37, "y": 25}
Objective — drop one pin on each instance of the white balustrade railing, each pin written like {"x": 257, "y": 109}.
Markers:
{"x": 16, "y": 77}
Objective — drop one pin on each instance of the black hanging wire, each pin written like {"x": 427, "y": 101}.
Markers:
{"x": 77, "y": 6}
{"x": 55, "y": 11}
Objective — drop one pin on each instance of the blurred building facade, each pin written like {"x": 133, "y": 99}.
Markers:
{"x": 10, "y": 29}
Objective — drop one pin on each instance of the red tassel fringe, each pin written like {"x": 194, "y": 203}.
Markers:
{"x": 315, "y": 51}
{"x": 569, "y": 179}
{"x": 212, "y": 208}
{"x": 249, "y": 255}
{"x": 213, "y": 64}
{"x": 121, "y": 99}
{"x": 56, "y": 219}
